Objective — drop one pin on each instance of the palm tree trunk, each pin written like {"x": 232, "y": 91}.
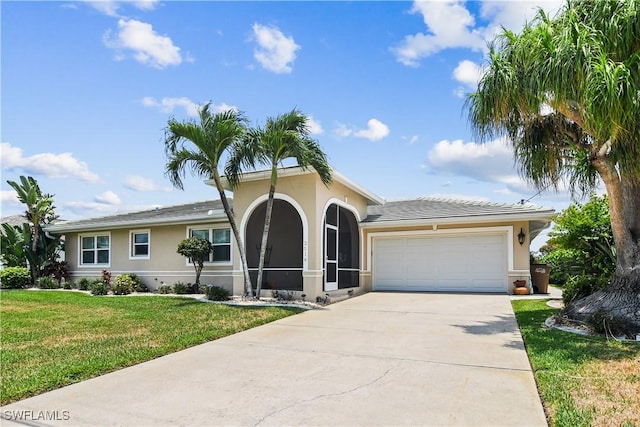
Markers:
{"x": 265, "y": 232}
{"x": 248, "y": 289}
{"x": 617, "y": 306}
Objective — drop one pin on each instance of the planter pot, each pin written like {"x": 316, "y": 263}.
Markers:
{"x": 521, "y": 291}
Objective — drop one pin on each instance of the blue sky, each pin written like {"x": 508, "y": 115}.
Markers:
{"x": 88, "y": 87}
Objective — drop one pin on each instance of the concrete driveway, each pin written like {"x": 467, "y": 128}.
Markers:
{"x": 377, "y": 359}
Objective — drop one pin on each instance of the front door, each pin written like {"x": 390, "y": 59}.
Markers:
{"x": 331, "y": 258}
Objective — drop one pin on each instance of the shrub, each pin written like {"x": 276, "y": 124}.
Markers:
{"x": 165, "y": 289}
{"x": 14, "y": 278}
{"x": 123, "y": 284}
{"x": 180, "y": 288}
{"x": 581, "y": 286}
{"x": 59, "y": 270}
{"x": 83, "y": 284}
{"x": 98, "y": 287}
{"x": 217, "y": 293}
{"x": 47, "y": 282}
{"x": 106, "y": 277}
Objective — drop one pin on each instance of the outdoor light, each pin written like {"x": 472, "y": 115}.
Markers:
{"x": 521, "y": 236}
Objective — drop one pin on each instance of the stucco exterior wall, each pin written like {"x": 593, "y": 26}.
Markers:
{"x": 164, "y": 265}
{"x": 310, "y": 196}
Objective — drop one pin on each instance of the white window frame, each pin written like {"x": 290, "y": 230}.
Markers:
{"x": 132, "y": 244}
{"x": 210, "y": 229}
{"x": 81, "y": 264}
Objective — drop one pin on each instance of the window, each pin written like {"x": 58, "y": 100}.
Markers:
{"x": 220, "y": 239}
{"x": 139, "y": 246}
{"x": 95, "y": 249}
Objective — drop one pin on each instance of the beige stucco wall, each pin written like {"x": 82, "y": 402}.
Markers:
{"x": 164, "y": 265}
{"x": 311, "y": 197}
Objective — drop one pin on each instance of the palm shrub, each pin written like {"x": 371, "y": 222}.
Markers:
{"x": 83, "y": 284}
{"x": 46, "y": 282}
{"x": 14, "y": 278}
{"x": 217, "y": 293}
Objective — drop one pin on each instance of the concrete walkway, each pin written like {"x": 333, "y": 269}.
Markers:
{"x": 377, "y": 359}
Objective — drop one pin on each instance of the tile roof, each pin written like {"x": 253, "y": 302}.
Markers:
{"x": 161, "y": 215}
{"x": 426, "y": 208}
{"x": 15, "y": 220}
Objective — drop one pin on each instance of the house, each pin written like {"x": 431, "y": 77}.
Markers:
{"x": 323, "y": 240}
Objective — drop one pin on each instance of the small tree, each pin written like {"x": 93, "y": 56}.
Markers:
{"x": 197, "y": 250}
{"x": 581, "y": 250}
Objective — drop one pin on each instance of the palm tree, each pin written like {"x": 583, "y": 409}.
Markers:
{"x": 40, "y": 210}
{"x": 566, "y": 91}
{"x": 283, "y": 137}
{"x": 209, "y": 140}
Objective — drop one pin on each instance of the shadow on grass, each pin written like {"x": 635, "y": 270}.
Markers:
{"x": 565, "y": 346}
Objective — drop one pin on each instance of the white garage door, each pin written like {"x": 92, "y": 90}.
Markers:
{"x": 463, "y": 263}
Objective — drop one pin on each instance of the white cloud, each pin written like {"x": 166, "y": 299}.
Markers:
{"x": 139, "y": 183}
{"x": 468, "y": 73}
{"x": 315, "y": 128}
{"x": 375, "y": 130}
{"x": 490, "y": 162}
{"x": 62, "y": 165}
{"x": 9, "y": 197}
{"x": 411, "y": 139}
{"x": 168, "y": 105}
{"x": 148, "y": 47}
{"x": 108, "y": 198}
{"x": 275, "y": 51}
{"x": 449, "y": 25}
{"x": 111, "y": 7}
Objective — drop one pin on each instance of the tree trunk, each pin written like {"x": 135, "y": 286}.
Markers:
{"x": 265, "y": 233}
{"x": 248, "y": 289}
{"x": 616, "y": 308}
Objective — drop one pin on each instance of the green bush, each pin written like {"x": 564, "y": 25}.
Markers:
{"x": 14, "y": 278}
{"x": 98, "y": 287}
{"x": 581, "y": 286}
{"x": 165, "y": 289}
{"x": 47, "y": 282}
{"x": 217, "y": 293}
{"x": 181, "y": 288}
{"x": 123, "y": 284}
{"x": 83, "y": 284}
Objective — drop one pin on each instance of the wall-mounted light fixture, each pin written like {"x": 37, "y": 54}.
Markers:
{"x": 521, "y": 236}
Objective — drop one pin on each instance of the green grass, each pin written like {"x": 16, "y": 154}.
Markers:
{"x": 54, "y": 338}
{"x": 582, "y": 380}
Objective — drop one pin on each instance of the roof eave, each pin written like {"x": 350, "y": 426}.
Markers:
{"x": 534, "y": 216}
{"x": 66, "y": 228}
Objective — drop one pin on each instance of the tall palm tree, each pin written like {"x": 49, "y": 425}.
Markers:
{"x": 283, "y": 137}
{"x": 208, "y": 140}
{"x": 566, "y": 91}
{"x": 40, "y": 210}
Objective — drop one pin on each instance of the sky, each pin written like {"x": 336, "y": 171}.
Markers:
{"x": 87, "y": 89}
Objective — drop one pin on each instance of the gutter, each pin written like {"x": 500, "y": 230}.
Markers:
{"x": 538, "y": 216}
{"x": 63, "y": 228}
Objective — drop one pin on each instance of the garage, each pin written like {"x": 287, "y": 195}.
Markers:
{"x": 449, "y": 263}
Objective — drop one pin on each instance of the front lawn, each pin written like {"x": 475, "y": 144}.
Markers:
{"x": 582, "y": 380}
{"x": 54, "y": 338}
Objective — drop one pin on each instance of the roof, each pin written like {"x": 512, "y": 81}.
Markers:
{"x": 177, "y": 214}
{"x": 15, "y": 220}
{"x": 446, "y": 210}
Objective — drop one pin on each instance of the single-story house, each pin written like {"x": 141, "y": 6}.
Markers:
{"x": 323, "y": 240}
